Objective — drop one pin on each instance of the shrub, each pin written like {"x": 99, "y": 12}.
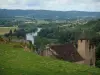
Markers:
{"x": 17, "y": 46}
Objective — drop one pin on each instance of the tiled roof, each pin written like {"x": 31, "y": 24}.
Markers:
{"x": 67, "y": 52}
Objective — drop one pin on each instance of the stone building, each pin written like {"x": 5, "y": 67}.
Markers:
{"x": 82, "y": 53}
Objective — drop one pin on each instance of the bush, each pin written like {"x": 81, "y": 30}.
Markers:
{"x": 17, "y": 46}
{"x": 98, "y": 63}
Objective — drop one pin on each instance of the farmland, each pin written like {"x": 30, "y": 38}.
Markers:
{"x": 4, "y": 30}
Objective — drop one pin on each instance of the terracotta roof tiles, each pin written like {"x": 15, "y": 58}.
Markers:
{"x": 67, "y": 52}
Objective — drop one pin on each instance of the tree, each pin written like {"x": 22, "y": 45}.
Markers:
{"x": 30, "y": 45}
{"x": 10, "y": 35}
{"x": 98, "y": 52}
{"x": 66, "y": 37}
{"x": 98, "y": 63}
{"x": 15, "y": 30}
{"x": 40, "y": 42}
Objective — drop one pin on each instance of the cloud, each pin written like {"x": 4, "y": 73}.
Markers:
{"x": 63, "y": 5}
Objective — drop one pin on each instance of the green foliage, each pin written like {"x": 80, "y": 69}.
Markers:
{"x": 28, "y": 27}
{"x": 98, "y": 52}
{"x": 6, "y": 23}
{"x": 62, "y": 36}
{"x": 40, "y": 42}
{"x": 98, "y": 63}
{"x": 66, "y": 37}
{"x": 31, "y": 46}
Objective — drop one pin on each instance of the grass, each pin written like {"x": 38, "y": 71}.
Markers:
{"x": 15, "y": 61}
{"x": 4, "y": 30}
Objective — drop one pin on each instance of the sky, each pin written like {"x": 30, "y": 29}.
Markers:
{"x": 58, "y": 5}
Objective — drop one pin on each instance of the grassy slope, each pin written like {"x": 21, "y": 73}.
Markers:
{"x": 15, "y": 61}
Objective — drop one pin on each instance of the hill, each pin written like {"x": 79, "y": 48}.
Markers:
{"x": 46, "y": 14}
{"x": 15, "y": 61}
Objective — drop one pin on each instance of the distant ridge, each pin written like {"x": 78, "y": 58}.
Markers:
{"x": 48, "y": 14}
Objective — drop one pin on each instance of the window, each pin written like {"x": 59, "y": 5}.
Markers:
{"x": 89, "y": 50}
{"x": 91, "y": 63}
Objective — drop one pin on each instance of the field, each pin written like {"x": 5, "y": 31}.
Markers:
{"x": 4, "y": 30}
{"x": 15, "y": 61}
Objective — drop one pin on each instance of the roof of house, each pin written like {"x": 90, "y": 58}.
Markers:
{"x": 67, "y": 52}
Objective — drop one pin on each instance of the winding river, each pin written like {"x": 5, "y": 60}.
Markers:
{"x": 31, "y": 36}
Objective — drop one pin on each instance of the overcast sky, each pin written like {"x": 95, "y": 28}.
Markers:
{"x": 62, "y": 5}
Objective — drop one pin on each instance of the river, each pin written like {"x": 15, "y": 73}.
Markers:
{"x": 31, "y": 36}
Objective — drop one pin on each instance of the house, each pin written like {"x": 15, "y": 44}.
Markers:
{"x": 82, "y": 53}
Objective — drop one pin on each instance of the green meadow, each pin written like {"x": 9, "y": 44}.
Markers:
{"x": 16, "y": 61}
